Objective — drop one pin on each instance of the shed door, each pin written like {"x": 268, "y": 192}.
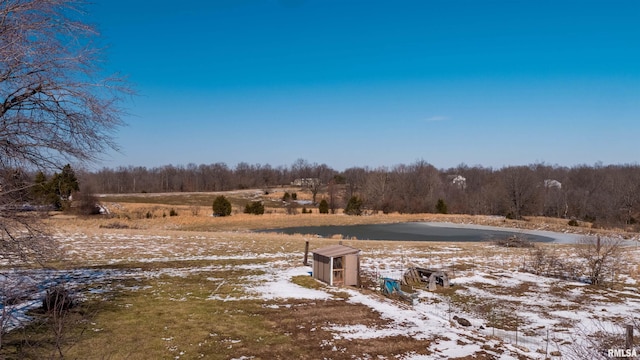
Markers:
{"x": 321, "y": 268}
{"x": 351, "y": 269}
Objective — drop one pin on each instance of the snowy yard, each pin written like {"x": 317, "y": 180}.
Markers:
{"x": 513, "y": 314}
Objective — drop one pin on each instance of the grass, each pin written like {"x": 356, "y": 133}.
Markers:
{"x": 187, "y": 293}
{"x": 308, "y": 282}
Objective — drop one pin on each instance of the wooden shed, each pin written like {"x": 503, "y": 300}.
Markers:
{"x": 337, "y": 265}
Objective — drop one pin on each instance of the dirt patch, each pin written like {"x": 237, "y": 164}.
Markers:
{"x": 307, "y": 324}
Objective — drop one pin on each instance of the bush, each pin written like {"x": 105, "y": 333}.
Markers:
{"x": 354, "y": 206}
{"x": 292, "y": 208}
{"x": 573, "y": 222}
{"x": 87, "y": 204}
{"x": 114, "y": 225}
{"x": 294, "y": 196}
{"x": 57, "y": 299}
{"x": 323, "y": 208}
{"x": 172, "y": 212}
{"x": 441, "y": 207}
{"x": 221, "y": 206}
{"x": 255, "y": 207}
{"x": 286, "y": 196}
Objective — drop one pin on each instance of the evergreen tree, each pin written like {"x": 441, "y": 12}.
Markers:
{"x": 323, "y": 208}
{"x": 221, "y": 206}
{"x": 441, "y": 207}
{"x": 65, "y": 183}
{"x": 255, "y": 207}
{"x": 354, "y": 206}
{"x": 41, "y": 191}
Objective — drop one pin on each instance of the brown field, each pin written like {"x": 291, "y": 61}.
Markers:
{"x": 188, "y": 287}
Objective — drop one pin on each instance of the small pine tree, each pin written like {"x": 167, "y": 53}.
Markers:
{"x": 65, "y": 183}
{"x": 221, "y": 206}
{"x": 441, "y": 207}
{"x": 323, "y": 208}
{"x": 354, "y": 206}
{"x": 255, "y": 207}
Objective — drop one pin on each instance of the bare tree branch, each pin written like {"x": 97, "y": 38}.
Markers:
{"x": 56, "y": 107}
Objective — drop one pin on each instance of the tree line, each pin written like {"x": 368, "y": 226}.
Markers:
{"x": 604, "y": 195}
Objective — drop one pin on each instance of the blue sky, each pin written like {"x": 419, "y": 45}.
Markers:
{"x": 375, "y": 83}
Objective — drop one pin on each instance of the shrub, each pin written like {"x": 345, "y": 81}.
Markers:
{"x": 114, "y": 225}
{"x": 286, "y": 196}
{"x": 354, "y": 206}
{"x": 57, "y": 299}
{"x": 441, "y": 207}
{"x": 172, "y": 212}
{"x": 323, "y": 208}
{"x": 514, "y": 242}
{"x": 292, "y": 208}
{"x": 87, "y": 204}
{"x": 573, "y": 222}
{"x": 294, "y": 196}
{"x": 255, "y": 207}
{"x": 221, "y": 206}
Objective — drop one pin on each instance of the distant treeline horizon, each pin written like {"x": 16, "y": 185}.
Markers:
{"x": 606, "y": 195}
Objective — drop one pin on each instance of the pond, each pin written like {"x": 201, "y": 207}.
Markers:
{"x": 412, "y": 231}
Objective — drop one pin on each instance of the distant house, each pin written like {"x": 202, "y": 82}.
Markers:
{"x": 458, "y": 181}
{"x": 552, "y": 184}
{"x": 308, "y": 182}
{"x": 337, "y": 265}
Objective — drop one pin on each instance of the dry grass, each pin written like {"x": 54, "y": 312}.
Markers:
{"x": 197, "y": 305}
{"x": 136, "y": 207}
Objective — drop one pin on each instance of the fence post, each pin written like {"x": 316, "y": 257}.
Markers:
{"x": 546, "y": 352}
{"x": 306, "y": 253}
{"x": 629, "y": 340}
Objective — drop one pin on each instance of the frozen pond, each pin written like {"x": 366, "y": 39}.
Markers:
{"x": 422, "y": 231}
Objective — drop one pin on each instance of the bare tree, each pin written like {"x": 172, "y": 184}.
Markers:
{"x": 600, "y": 256}
{"x": 522, "y": 190}
{"x": 376, "y": 189}
{"x": 55, "y": 107}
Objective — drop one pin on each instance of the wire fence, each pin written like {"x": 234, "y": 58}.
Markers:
{"x": 544, "y": 342}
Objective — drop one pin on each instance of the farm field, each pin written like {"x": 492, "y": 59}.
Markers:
{"x": 194, "y": 286}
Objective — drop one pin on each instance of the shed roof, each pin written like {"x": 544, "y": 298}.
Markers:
{"x": 336, "y": 250}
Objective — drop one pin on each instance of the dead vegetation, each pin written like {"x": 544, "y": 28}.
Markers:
{"x": 195, "y": 274}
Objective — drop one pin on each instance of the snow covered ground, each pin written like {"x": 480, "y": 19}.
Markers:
{"x": 513, "y": 314}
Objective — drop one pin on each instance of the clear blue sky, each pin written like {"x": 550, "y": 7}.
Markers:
{"x": 371, "y": 83}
